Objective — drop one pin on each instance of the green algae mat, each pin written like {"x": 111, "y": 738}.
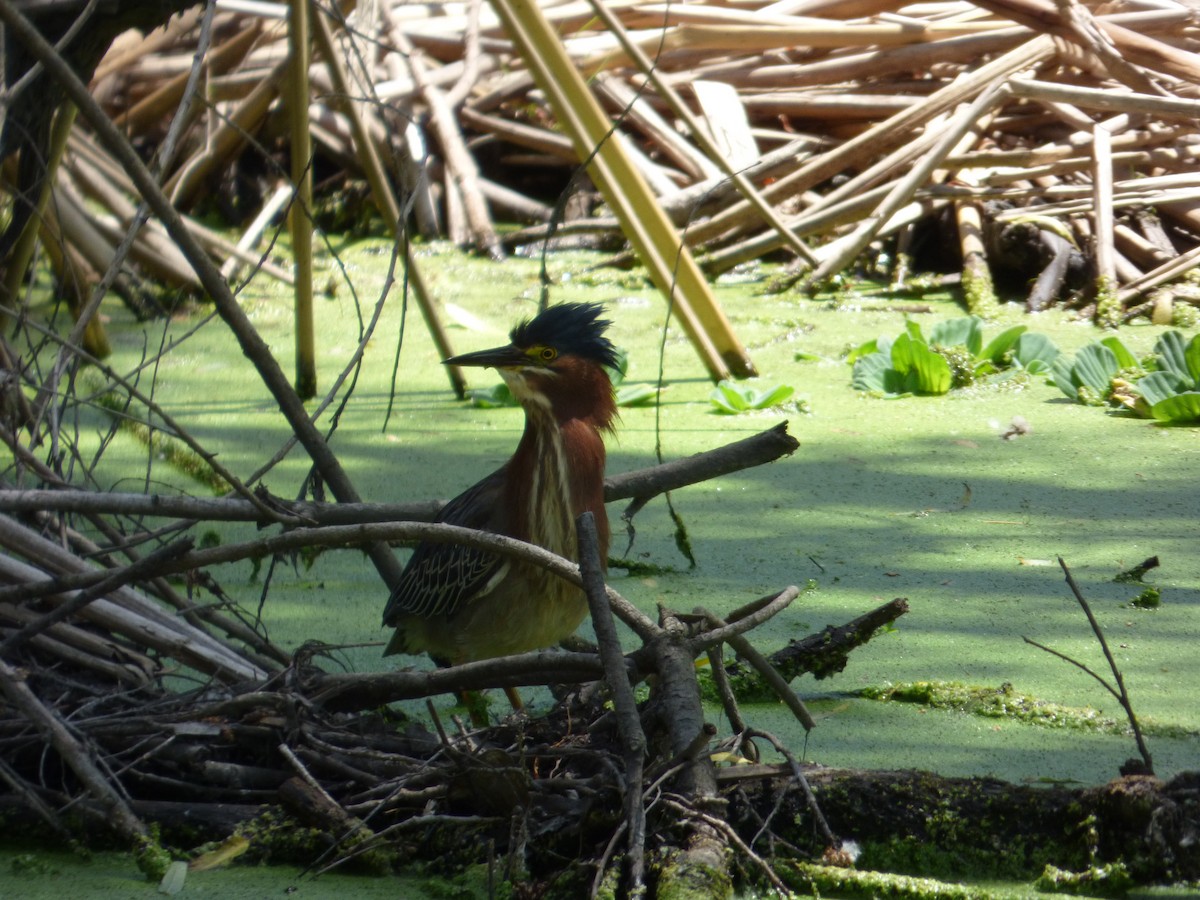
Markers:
{"x": 961, "y": 502}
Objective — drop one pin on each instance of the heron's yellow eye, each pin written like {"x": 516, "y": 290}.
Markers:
{"x": 547, "y": 354}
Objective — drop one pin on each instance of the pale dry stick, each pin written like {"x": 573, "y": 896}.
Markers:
{"x": 844, "y": 203}
{"x": 757, "y": 73}
{"x": 1134, "y": 46}
{"x": 254, "y": 232}
{"x": 889, "y": 133}
{"x": 1091, "y": 36}
{"x": 151, "y": 249}
{"x": 153, "y": 630}
{"x": 638, "y": 111}
{"x": 1106, "y": 100}
{"x": 764, "y": 668}
{"x": 133, "y": 671}
{"x": 74, "y": 754}
{"x": 257, "y": 649}
{"x": 394, "y": 214}
{"x": 629, "y": 726}
{"x": 248, "y": 338}
{"x": 466, "y": 83}
{"x": 543, "y": 140}
{"x": 19, "y": 538}
{"x": 1102, "y": 210}
{"x": 168, "y": 96}
{"x": 157, "y": 41}
{"x": 1151, "y": 227}
{"x": 82, "y": 145}
{"x": 460, "y": 164}
{"x": 1142, "y": 146}
{"x": 832, "y": 9}
{"x": 746, "y": 619}
{"x": 757, "y": 201}
{"x": 1123, "y": 198}
{"x": 902, "y": 193}
{"x": 758, "y": 449}
{"x": 185, "y": 184}
{"x": 113, "y": 659}
{"x": 296, "y": 93}
{"x": 1144, "y": 252}
{"x": 662, "y": 250}
{"x": 111, "y": 266}
{"x": 1169, "y": 271}
{"x": 1162, "y": 157}
{"x": 711, "y": 39}
{"x": 114, "y": 578}
{"x": 523, "y": 207}
{"x": 979, "y": 293}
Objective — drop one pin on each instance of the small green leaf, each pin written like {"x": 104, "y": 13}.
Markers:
{"x": 1034, "y": 348}
{"x": 727, "y": 398}
{"x": 874, "y": 374}
{"x": 1001, "y": 344}
{"x": 1125, "y": 359}
{"x": 902, "y": 353}
{"x": 930, "y": 373}
{"x": 1159, "y": 386}
{"x": 1173, "y": 355}
{"x": 773, "y": 396}
{"x": 737, "y": 397}
{"x": 173, "y": 881}
{"x": 1178, "y": 410}
{"x": 1095, "y": 365}
{"x": 495, "y": 397}
{"x": 617, "y": 375}
{"x": 637, "y": 395}
{"x": 730, "y": 398}
{"x": 1063, "y": 373}
{"x": 964, "y": 331}
{"x": 862, "y": 350}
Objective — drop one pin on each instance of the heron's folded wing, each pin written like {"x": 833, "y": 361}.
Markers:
{"x": 440, "y": 578}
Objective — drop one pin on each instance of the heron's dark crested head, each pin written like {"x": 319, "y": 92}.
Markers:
{"x": 568, "y": 329}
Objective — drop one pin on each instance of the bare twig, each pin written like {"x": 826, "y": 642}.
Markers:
{"x": 629, "y": 726}
{"x": 1119, "y": 692}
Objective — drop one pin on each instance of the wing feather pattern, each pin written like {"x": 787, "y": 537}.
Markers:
{"x": 440, "y": 578}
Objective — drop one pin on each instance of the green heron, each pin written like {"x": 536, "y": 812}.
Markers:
{"x": 460, "y": 604}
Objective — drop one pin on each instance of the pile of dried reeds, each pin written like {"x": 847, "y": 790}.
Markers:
{"x": 1048, "y": 138}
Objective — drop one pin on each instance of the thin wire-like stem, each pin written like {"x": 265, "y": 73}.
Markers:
{"x": 1123, "y": 695}
{"x": 1119, "y": 692}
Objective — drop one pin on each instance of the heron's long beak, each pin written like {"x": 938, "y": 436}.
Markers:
{"x": 497, "y": 358}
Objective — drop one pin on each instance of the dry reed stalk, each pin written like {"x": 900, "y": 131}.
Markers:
{"x": 1161, "y": 275}
{"x": 543, "y": 140}
{"x": 757, "y": 74}
{"x": 907, "y": 186}
{"x": 1107, "y": 100}
{"x": 152, "y": 249}
{"x": 159, "y": 39}
{"x": 1144, "y": 253}
{"x": 627, "y": 102}
{"x": 1108, "y": 310}
{"x": 185, "y": 185}
{"x": 163, "y": 101}
{"x": 880, "y": 138}
{"x": 461, "y": 170}
{"x": 752, "y": 196}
